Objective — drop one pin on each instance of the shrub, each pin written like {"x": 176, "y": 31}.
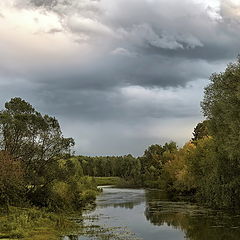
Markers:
{"x": 11, "y": 180}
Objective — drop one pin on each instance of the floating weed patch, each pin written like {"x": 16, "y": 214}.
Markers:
{"x": 91, "y": 230}
{"x": 104, "y": 233}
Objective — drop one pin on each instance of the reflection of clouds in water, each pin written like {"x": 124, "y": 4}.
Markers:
{"x": 125, "y": 198}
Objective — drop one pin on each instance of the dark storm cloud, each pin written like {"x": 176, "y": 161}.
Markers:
{"x": 116, "y": 68}
{"x": 127, "y": 106}
{"x": 111, "y": 73}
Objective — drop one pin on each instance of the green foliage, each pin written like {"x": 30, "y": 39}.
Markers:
{"x": 221, "y": 106}
{"x": 202, "y": 165}
{"x": 176, "y": 175}
{"x": 201, "y": 131}
{"x": 67, "y": 189}
{"x": 153, "y": 160}
{"x": 11, "y": 180}
{"x": 36, "y": 167}
{"x": 126, "y": 167}
{"x": 31, "y": 138}
{"x": 130, "y": 171}
{"x": 70, "y": 196}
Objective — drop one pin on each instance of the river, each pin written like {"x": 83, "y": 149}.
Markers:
{"x": 124, "y": 214}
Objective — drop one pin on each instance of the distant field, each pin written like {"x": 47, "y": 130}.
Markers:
{"x": 101, "y": 181}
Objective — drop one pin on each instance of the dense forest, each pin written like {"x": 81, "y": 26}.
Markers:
{"x": 39, "y": 169}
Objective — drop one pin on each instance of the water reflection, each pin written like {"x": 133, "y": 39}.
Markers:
{"x": 197, "y": 223}
{"x": 75, "y": 237}
{"x": 123, "y": 198}
{"x": 71, "y": 237}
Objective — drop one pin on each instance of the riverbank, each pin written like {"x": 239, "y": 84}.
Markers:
{"x": 105, "y": 181}
{"x": 35, "y": 224}
{"x": 117, "y": 182}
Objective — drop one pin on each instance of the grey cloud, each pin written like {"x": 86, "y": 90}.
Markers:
{"x": 46, "y": 3}
{"x": 145, "y": 34}
{"x": 123, "y": 52}
{"x": 86, "y": 25}
{"x": 118, "y": 71}
{"x": 169, "y": 28}
{"x": 86, "y": 8}
{"x": 54, "y": 30}
{"x": 126, "y": 104}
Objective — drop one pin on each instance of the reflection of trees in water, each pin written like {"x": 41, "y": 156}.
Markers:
{"x": 127, "y": 205}
{"x": 71, "y": 237}
{"x": 122, "y": 199}
{"x": 196, "y": 223}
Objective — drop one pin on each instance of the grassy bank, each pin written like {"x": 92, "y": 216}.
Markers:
{"x": 103, "y": 181}
{"x": 34, "y": 224}
{"x": 116, "y": 181}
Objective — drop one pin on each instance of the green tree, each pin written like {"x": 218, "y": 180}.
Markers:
{"x": 221, "y": 106}
{"x": 152, "y": 159}
{"x": 32, "y": 138}
{"x": 200, "y": 131}
{"x": 175, "y": 175}
{"x": 11, "y": 180}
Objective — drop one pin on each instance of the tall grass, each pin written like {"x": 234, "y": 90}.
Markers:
{"x": 34, "y": 224}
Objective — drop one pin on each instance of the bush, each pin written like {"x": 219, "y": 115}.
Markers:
{"x": 71, "y": 196}
{"x": 11, "y": 180}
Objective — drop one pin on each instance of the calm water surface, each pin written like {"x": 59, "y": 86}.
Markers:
{"x": 149, "y": 215}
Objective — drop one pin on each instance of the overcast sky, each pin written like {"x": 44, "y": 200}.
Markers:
{"x": 119, "y": 75}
